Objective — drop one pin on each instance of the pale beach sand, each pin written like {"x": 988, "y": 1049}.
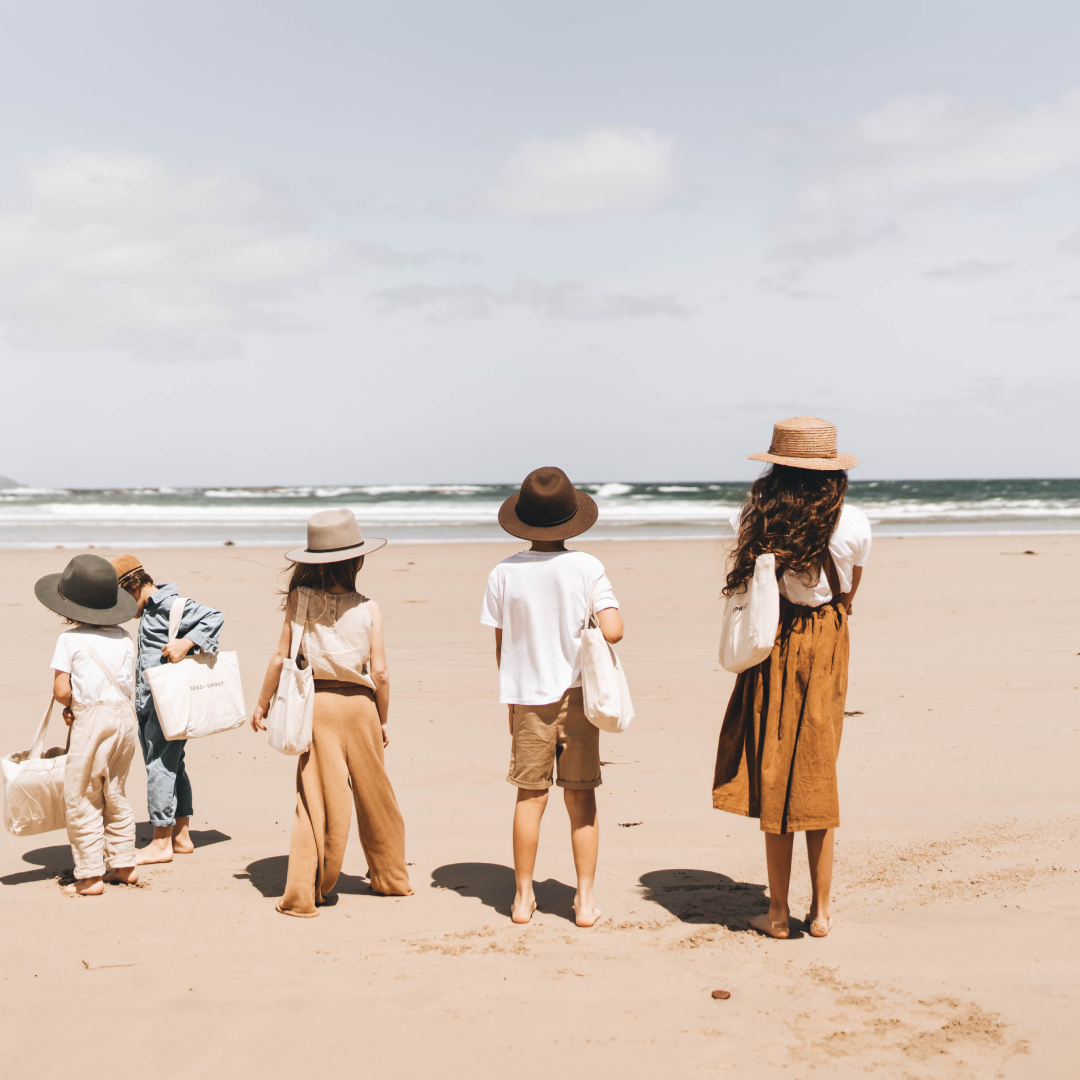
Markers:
{"x": 956, "y": 950}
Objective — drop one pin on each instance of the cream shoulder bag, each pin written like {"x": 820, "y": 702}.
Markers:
{"x": 200, "y": 695}
{"x": 288, "y": 724}
{"x": 751, "y": 617}
{"x": 603, "y": 683}
{"x": 34, "y": 785}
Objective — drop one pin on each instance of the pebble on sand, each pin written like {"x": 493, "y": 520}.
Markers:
{"x": 721, "y": 995}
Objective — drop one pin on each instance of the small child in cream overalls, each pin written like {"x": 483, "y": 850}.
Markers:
{"x": 93, "y": 679}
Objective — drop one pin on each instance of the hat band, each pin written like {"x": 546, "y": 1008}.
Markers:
{"x": 547, "y": 524}
{"x": 803, "y": 453}
{"x": 330, "y": 551}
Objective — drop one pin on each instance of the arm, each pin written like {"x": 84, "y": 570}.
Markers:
{"x": 200, "y": 628}
{"x": 498, "y": 664}
{"x": 611, "y": 625}
{"x": 856, "y": 577}
{"x": 273, "y": 669}
{"x": 61, "y": 688}
{"x": 380, "y": 674}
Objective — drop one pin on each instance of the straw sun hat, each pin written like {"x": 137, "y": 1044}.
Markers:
{"x": 806, "y": 442}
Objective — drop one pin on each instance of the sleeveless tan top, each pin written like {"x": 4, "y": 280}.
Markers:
{"x": 337, "y": 637}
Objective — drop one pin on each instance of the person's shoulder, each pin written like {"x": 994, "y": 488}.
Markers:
{"x": 587, "y": 562}
{"x": 854, "y": 520}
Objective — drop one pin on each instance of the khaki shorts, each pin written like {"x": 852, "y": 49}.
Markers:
{"x": 554, "y": 738}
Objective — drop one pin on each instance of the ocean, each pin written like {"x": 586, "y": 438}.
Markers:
{"x": 441, "y": 513}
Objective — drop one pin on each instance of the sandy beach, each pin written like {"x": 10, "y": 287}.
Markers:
{"x": 956, "y": 951}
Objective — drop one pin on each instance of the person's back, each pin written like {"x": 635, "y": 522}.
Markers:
{"x": 537, "y": 602}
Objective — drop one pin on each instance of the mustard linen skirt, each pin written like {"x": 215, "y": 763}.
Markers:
{"x": 781, "y": 733}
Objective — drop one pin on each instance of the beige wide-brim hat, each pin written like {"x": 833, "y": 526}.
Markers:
{"x": 333, "y": 536}
{"x": 806, "y": 442}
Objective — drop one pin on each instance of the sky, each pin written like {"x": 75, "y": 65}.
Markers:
{"x": 345, "y": 242}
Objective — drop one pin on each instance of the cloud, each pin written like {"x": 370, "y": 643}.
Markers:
{"x": 561, "y": 300}
{"x": 855, "y": 185}
{"x": 605, "y": 172}
{"x": 968, "y": 270}
{"x": 123, "y": 252}
{"x": 1071, "y": 244}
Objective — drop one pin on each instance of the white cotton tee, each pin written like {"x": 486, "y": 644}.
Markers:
{"x": 88, "y": 682}
{"x": 539, "y": 600}
{"x": 850, "y": 547}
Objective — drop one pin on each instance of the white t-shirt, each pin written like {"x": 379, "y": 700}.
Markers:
{"x": 850, "y": 547}
{"x": 539, "y": 600}
{"x": 88, "y": 681}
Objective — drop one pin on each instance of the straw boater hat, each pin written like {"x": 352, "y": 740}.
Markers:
{"x": 806, "y": 442}
{"x": 333, "y": 536}
{"x": 548, "y": 507}
{"x": 87, "y": 591}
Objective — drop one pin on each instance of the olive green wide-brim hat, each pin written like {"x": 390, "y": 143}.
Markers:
{"x": 88, "y": 592}
{"x": 806, "y": 442}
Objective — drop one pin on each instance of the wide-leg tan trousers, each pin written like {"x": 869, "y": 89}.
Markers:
{"x": 100, "y": 821}
{"x": 346, "y": 752}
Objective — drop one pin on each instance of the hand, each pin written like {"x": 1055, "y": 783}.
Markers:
{"x": 385, "y": 737}
{"x": 258, "y": 716}
{"x": 510, "y": 710}
{"x": 69, "y": 716}
{"x": 175, "y": 651}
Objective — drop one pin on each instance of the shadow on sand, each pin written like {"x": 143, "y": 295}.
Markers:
{"x": 493, "y": 884}
{"x": 56, "y": 861}
{"x": 702, "y": 896}
{"x": 268, "y": 876}
{"x": 144, "y": 833}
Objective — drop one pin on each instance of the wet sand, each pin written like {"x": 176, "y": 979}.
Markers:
{"x": 956, "y": 949}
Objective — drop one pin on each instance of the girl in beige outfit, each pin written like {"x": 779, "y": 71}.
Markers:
{"x": 343, "y": 645}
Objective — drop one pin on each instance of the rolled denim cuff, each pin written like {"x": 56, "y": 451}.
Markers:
{"x": 203, "y": 642}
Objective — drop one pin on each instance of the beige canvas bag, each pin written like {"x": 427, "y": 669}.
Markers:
{"x": 288, "y": 725}
{"x": 603, "y": 684}
{"x": 34, "y": 785}
{"x": 751, "y": 617}
{"x": 201, "y": 695}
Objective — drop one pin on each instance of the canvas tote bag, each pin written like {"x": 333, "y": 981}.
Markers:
{"x": 34, "y": 785}
{"x": 288, "y": 725}
{"x": 603, "y": 683}
{"x": 751, "y": 617}
{"x": 200, "y": 695}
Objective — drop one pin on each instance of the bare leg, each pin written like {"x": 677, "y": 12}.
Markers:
{"x": 122, "y": 875}
{"x": 181, "y": 837}
{"x": 585, "y": 840}
{"x": 528, "y": 813}
{"x": 778, "y": 850}
{"x": 90, "y": 886}
{"x": 159, "y": 849}
{"x": 819, "y": 854}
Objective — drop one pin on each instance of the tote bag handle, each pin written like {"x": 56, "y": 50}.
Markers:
{"x": 299, "y": 624}
{"x": 39, "y": 738}
{"x": 176, "y": 613}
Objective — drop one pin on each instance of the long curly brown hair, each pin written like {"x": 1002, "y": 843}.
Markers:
{"x": 792, "y": 513}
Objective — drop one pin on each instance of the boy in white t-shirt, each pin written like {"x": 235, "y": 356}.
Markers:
{"x": 93, "y": 679}
{"x": 537, "y": 602}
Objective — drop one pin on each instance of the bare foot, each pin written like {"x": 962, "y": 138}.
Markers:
{"x": 91, "y": 886}
{"x": 122, "y": 875}
{"x": 159, "y": 850}
{"x": 181, "y": 837}
{"x": 522, "y": 910}
{"x": 763, "y": 924}
{"x": 586, "y": 915}
{"x": 818, "y": 925}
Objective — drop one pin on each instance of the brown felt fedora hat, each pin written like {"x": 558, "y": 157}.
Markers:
{"x": 548, "y": 507}
{"x": 806, "y": 442}
{"x": 88, "y": 592}
{"x": 333, "y": 536}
